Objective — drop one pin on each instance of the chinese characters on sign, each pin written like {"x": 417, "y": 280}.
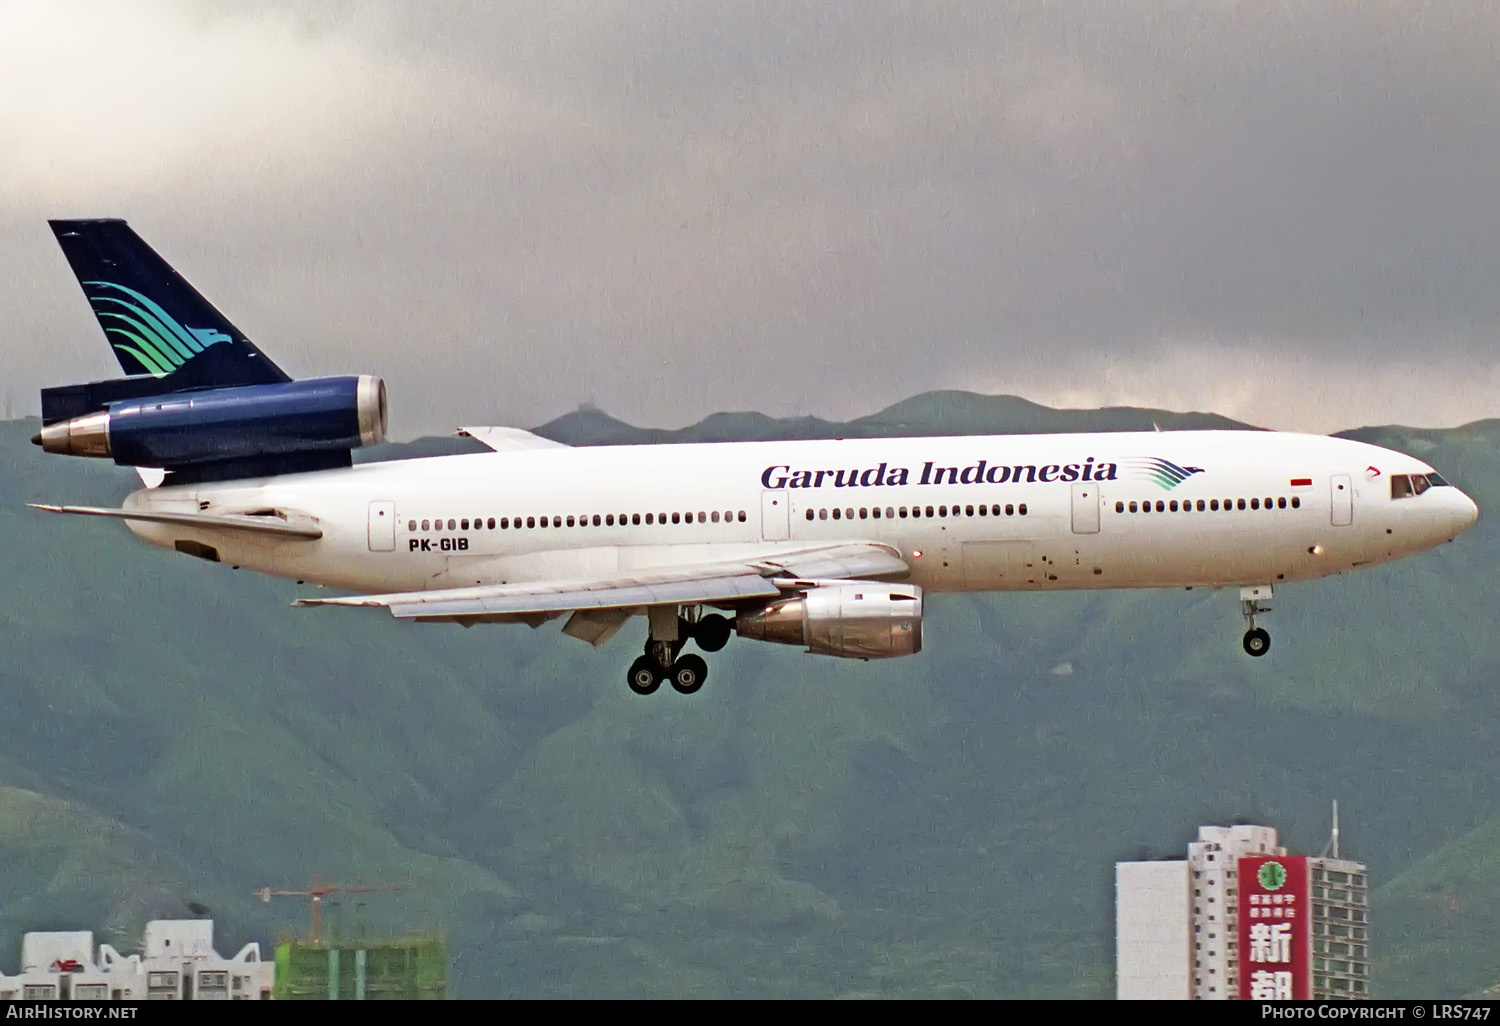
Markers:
{"x": 1274, "y": 930}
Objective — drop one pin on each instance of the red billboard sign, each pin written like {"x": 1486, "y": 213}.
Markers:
{"x": 1275, "y": 936}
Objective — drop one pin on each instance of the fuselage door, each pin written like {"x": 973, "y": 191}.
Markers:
{"x": 382, "y": 527}
{"x": 775, "y": 515}
{"x": 1342, "y": 494}
{"x": 1085, "y": 507}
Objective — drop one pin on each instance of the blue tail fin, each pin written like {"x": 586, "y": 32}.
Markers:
{"x": 157, "y": 323}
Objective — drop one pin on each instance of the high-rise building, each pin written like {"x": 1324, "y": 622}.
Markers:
{"x": 1240, "y": 918}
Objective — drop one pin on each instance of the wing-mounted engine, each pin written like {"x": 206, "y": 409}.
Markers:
{"x": 852, "y": 619}
{"x": 203, "y": 426}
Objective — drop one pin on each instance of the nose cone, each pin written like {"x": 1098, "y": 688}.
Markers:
{"x": 1468, "y": 512}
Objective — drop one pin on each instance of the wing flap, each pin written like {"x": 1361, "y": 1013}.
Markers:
{"x": 304, "y": 530}
{"x": 707, "y": 583}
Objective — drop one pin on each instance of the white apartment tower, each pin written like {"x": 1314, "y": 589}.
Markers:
{"x": 1191, "y": 929}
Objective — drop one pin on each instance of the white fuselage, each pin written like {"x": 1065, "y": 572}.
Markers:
{"x": 427, "y": 523}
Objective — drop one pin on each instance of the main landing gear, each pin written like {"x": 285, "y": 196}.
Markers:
{"x": 1254, "y": 600}
{"x": 663, "y": 661}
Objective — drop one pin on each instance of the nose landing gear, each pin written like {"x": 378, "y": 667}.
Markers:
{"x": 1253, "y": 601}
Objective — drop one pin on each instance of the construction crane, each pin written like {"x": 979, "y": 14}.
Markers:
{"x": 316, "y": 894}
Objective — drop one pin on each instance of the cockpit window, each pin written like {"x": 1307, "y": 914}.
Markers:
{"x": 1404, "y": 486}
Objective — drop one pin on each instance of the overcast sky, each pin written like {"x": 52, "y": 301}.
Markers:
{"x": 1284, "y": 212}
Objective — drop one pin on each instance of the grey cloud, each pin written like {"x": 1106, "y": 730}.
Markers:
{"x": 670, "y": 209}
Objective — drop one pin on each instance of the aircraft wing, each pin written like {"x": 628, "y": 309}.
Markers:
{"x": 508, "y": 439}
{"x": 725, "y": 582}
{"x": 303, "y": 528}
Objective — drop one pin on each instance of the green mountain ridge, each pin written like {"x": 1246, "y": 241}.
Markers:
{"x": 943, "y": 825}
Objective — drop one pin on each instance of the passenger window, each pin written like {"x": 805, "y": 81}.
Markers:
{"x": 1119, "y": 507}
{"x": 597, "y": 520}
{"x": 929, "y": 512}
{"x": 412, "y": 526}
{"x": 742, "y": 516}
{"x": 1134, "y": 508}
{"x": 425, "y": 526}
{"x": 1296, "y": 502}
{"x": 505, "y": 523}
{"x": 1241, "y": 504}
{"x": 715, "y": 516}
{"x": 1255, "y": 504}
{"x": 984, "y": 510}
{"x": 676, "y": 518}
{"x": 822, "y": 514}
{"x": 864, "y": 513}
{"x": 1161, "y": 507}
{"x": 849, "y": 513}
{"x": 702, "y": 517}
{"x": 969, "y": 511}
{"x": 875, "y": 512}
{"x": 1021, "y": 509}
{"x": 531, "y": 521}
{"x": 1281, "y": 502}
{"x": 1201, "y": 505}
{"x": 1172, "y": 506}
{"x": 451, "y": 526}
{"x": 942, "y": 511}
{"x": 809, "y": 513}
{"x": 837, "y": 513}
{"x": 901, "y": 513}
{"x": 570, "y": 521}
{"x": 635, "y": 519}
{"x": 1010, "y": 510}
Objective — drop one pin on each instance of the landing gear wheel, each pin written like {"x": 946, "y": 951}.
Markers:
{"x": 689, "y": 673}
{"x": 644, "y": 676}
{"x": 1257, "y": 641}
{"x": 712, "y": 632}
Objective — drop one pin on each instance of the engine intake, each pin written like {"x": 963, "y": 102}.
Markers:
{"x": 212, "y": 425}
{"x": 854, "y": 620}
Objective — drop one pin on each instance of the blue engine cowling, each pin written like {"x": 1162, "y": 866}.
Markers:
{"x": 185, "y": 429}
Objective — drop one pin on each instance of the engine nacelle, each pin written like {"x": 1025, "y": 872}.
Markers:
{"x": 854, "y": 619}
{"x": 187, "y": 428}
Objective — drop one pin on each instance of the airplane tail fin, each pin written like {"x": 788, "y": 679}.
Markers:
{"x": 156, "y": 322}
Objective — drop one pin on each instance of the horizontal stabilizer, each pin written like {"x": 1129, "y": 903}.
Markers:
{"x": 508, "y": 439}
{"x": 267, "y": 524}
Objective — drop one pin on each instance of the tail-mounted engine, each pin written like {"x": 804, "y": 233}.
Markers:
{"x": 852, "y": 619}
{"x": 184, "y": 429}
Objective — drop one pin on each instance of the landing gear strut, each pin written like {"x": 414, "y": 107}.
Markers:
{"x": 663, "y": 659}
{"x": 1253, "y": 601}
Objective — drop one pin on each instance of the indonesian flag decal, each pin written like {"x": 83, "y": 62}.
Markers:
{"x": 1301, "y": 482}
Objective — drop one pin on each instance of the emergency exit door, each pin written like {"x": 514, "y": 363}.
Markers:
{"x": 1342, "y": 495}
{"x": 775, "y": 515}
{"x": 1085, "y": 507}
{"x": 382, "y": 527}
